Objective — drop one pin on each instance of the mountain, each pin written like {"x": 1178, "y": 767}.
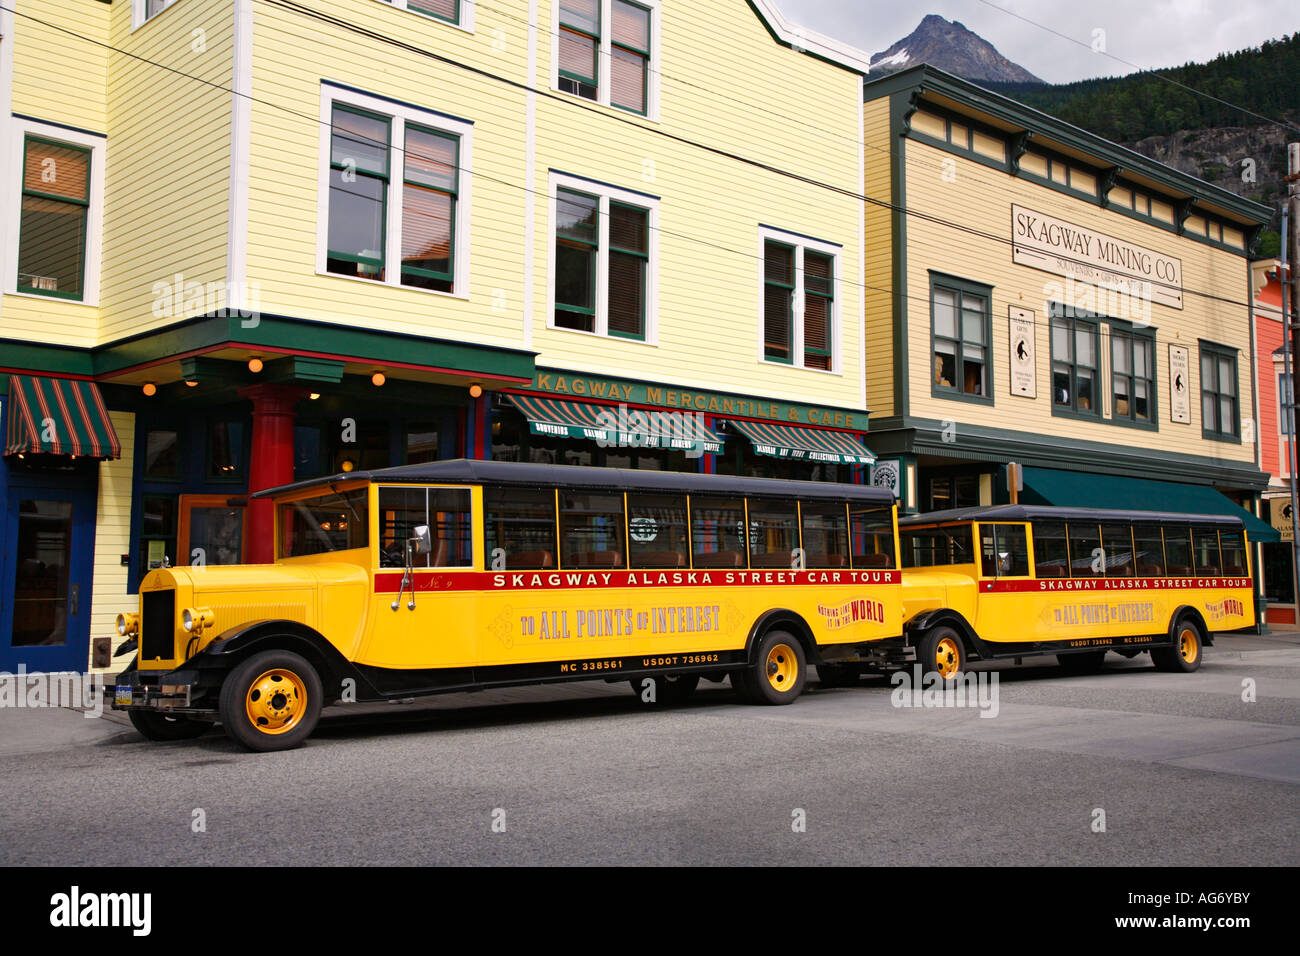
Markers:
{"x": 953, "y": 48}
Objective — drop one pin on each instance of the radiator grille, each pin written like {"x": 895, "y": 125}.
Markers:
{"x": 158, "y": 625}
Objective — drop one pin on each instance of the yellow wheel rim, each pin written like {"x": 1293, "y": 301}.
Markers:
{"x": 276, "y": 701}
{"x": 947, "y": 658}
{"x": 1189, "y": 646}
{"x": 781, "y": 667}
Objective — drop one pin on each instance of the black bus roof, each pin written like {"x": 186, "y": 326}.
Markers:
{"x": 1059, "y": 513}
{"x": 468, "y": 471}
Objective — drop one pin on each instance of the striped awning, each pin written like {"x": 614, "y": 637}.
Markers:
{"x": 59, "y": 416}
{"x": 617, "y": 425}
{"x": 799, "y": 443}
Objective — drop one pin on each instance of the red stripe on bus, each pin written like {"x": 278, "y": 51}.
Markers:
{"x": 389, "y": 582}
{"x": 1063, "y": 585}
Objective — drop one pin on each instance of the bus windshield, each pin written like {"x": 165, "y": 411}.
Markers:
{"x": 334, "y": 522}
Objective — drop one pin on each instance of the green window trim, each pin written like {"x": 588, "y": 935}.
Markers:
{"x": 615, "y": 45}
{"x": 770, "y": 245}
{"x": 593, "y": 80}
{"x": 1070, "y": 366}
{"x": 1130, "y": 339}
{"x": 83, "y": 203}
{"x": 453, "y": 193}
{"x": 433, "y": 14}
{"x": 961, "y": 289}
{"x": 644, "y": 257}
{"x": 1220, "y": 354}
{"x": 383, "y": 176}
{"x": 592, "y": 247}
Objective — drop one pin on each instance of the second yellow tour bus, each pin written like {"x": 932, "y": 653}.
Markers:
{"x": 462, "y": 575}
{"x": 1008, "y": 581}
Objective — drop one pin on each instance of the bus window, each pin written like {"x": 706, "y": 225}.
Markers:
{"x": 446, "y": 511}
{"x": 717, "y": 532}
{"x": 333, "y": 522}
{"x": 938, "y": 546}
{"x": 1234, "y": 553}
{"x": 520, "y": 527}
{"x": 1117, "y": 544}
{"x": 1148, "y": 551}
{"x": 591, "y": 530}
{"x": 656, "y": 526}
{"x": 873, "y": 538}
{"x": 773, "y": 533}
{"x": 1178, "y": 551}
{"x": 1085, "y": 548}
{"x": 1004, "y": 551}
{"x": 825, "y": 534}
{"x": 1206, "y": 541}
{"x": 1051, "y": 559}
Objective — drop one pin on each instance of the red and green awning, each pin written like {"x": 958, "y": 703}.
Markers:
{"x": 617, "y": 425}
{"x": 800, "y": 443}
{"x": 59, "y": 416}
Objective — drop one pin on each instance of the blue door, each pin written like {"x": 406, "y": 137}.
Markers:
{"x": 48, "y": 538}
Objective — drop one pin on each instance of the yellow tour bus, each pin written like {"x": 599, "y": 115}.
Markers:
{"x": 462, "y": 575}
{"x": 1010, "y": 581}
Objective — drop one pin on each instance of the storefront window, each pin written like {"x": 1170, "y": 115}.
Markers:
{"x": 162, "y": 453}
{"x": 421, "y": 443}
{"x": 958, "y": 491}
{"x": 1279, "y": 581}
{"x": 225, "y": 451}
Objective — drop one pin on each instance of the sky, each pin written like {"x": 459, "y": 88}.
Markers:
{"x": 1146, "y": 33}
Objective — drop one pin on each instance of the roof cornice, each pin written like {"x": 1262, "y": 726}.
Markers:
{"x": 790, "y": 34}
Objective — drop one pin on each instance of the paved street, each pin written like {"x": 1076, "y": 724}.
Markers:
{"x": 1184, "y": 770}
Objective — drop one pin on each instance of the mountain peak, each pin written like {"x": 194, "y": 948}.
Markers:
{"x": 950, "y": 46}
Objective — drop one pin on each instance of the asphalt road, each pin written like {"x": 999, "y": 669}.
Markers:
{"x": 1185, "y": 770}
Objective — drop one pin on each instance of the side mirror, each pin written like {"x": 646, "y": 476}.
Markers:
{"x": 421, "y": 542}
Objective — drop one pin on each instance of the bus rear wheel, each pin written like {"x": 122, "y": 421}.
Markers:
{"x": 1185, "y": 654}
{"x": 779, "y": 670}
{"x": 158, "y": 726}
{"x": 665, "y": 689}
{"x": 271, "y": 701}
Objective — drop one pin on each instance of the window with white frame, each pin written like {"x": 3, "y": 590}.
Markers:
{"x": 608, "y": 51}
{"x": 456, "y": 12}
{"x": 58, "y": 211}
{"x": 603, "y": 259}
{"x": 799, "y": 313}
{"x": 394, "y": 193}
{"x": 145, "y": 10}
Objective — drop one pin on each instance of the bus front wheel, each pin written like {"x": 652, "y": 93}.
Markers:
{"x": 271, "y": 701}
{"x": 941, "y": 651}
{"x": 1185, "y": 654}
{"x": 779, "y": 670}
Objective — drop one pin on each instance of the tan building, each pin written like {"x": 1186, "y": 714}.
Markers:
{"x": 1038, "y": 295}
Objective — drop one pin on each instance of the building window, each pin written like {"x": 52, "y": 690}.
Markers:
{"x": 605, "y": 52}
{"x": 144, "y": 10}
{"x": 1284, "y": 401}
{"x": 800, "y": 279}
{"x": 1133, "y": 376}
{"x": 457, "y": 12}
{"x": 962, "y": 327}
{"x": 604, "y": 259}
{"x": 55, "y": 219}
{"x": 1074, "y": 365}
{"x": 396, "y": 195}
{"x": 962, "y": 491}
{"x": 1220, "y": 414}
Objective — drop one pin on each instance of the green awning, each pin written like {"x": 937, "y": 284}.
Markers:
{"x": 617, "y": 425}
{"x": 1048, "y": 486}
{"x": 800, "y": 443}
{"x": 59, "y": 416}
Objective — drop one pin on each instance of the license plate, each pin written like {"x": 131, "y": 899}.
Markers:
{"x": 122, "y": 696}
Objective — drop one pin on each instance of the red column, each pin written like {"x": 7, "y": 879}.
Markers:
{"x": 270, "y": 463}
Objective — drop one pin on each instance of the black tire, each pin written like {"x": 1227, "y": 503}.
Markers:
{"x": 1087, "y": 662}
{"x": 669, "y": 689}
{"x": 839, "y": 675}
{"x": 158, "y": 726}
{"x": 941, "y": 650}
{"x": 271, "y": 701}
{"x": 779, "y": 670}
{"x": 1188, "y": 648}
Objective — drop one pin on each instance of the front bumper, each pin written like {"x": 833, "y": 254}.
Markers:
{"x": 176, "y": 692}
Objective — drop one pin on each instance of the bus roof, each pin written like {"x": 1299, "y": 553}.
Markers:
{"x": 464, "y": 470}
{"x": 1054, "y": 513}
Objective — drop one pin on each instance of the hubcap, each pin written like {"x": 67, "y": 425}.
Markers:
{"x": 781, "y": 667}
{"x": 1189, "y": 645}
{"x": 276, "y": 701}
{"x": 947, "y": 657}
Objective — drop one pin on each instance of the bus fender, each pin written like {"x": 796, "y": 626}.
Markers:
{"x": 788, "y": 620}
{"x": 234, "y": 645}
{"x": 937, "y": 616}
{"x": 1189, "y": 611}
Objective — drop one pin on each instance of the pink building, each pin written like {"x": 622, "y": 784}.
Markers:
{"x": 1275, "y": 447}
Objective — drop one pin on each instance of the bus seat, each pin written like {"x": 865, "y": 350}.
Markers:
{"x": 440, "y": 554}
{"x": 872, "y": 561}
{"x": 719, "y": 559}
{"x": 1050, "y": 571}
{"x": 1151, "y": 570}
{"x": 825, "y": 561}
{"x": 659, "y": 559}
{"x": 1124, "y": 570}
{"x": 1179, "y": 571}
{"x": 1209, "y": 572}
{"x": 597, "y": 559}
{"x": 771, "y": 559}
{"x": 1234, "y": 571}
{"x": 530, "y": 559}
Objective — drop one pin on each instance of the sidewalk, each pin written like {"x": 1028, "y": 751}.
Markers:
{"x": 35, "y": 730}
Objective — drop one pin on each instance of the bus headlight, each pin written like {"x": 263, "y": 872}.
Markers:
{"x": 195, "y": 619}
{"x": 128, "y": 625}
